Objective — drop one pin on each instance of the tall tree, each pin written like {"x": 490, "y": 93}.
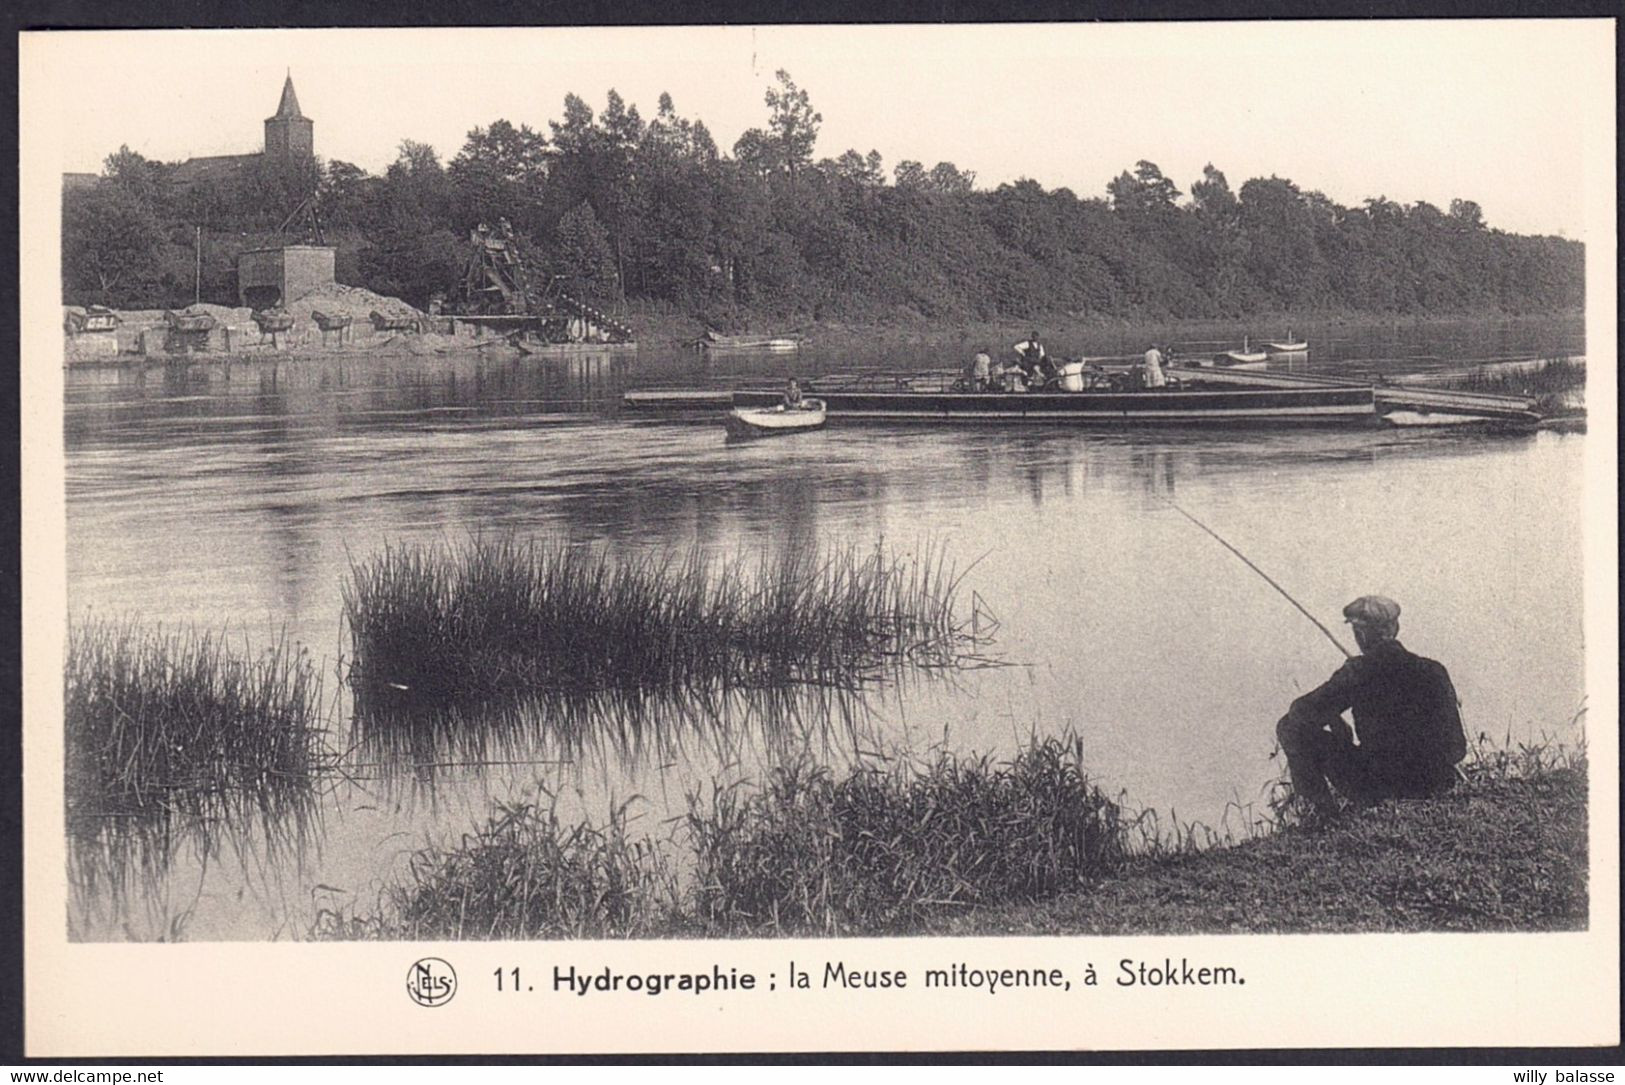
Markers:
{"x": 585, "y": 255}
{"x": 786, "y": 145}
{"x": 793, "y": 123}
{"x": 1145, "y": 191}
{"x": 111, "y": 241}
{"x": 499, "y": 173}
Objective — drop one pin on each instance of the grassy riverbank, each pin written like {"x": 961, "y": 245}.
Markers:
{"x": 1501, "y": 855}
{"x": 1029, "y": 847}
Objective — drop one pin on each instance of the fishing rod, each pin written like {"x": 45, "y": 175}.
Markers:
{"x": 1267, "y": 578}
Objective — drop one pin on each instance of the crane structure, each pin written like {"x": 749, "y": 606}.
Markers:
{"x": 497, "y": 292}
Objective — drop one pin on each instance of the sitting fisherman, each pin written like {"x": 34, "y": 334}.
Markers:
{"x": 1405, "y": 710}
{"x": 792, "y": 395}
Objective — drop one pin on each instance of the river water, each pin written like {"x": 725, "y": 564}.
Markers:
{"x": 233, "y": 499}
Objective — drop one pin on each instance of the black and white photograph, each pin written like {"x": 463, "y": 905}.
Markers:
{"x": 1115, "y": 521}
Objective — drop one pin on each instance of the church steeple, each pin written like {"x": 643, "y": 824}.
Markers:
{"x": 289, "y": 134}
{"x": 288, "y": 108}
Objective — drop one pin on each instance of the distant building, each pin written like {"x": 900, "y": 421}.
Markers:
{"x": 290, "y": 136}
{"x": 281, "y": 276}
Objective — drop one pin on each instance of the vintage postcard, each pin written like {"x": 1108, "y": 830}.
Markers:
{"x": 906, "y": 538}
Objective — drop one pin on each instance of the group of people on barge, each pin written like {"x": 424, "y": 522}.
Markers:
{"x": 1034, "y": 371}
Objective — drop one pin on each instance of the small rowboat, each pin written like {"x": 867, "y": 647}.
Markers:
{"x": 1245, "y": 358}
{"x": 1288, "y": 346}
{"x": 1241, "y": 359}
{"x": 715, "y": 343}
{"x": 775, "y": 421}
{"x": 1408, "y": 419}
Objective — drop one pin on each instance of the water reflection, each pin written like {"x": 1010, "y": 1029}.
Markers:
{"x": 140, "y": 869}
{"x": 397, "y": 738}
{"x": 208, "y": 401}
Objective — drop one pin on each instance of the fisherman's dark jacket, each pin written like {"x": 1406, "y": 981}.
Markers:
{"x": 1405, "y": 711}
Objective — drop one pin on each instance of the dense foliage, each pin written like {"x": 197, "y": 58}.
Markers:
{"x": 653, "y": 213}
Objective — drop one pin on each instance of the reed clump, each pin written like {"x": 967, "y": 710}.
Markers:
{"x": 1555, "y": 377}
{"x": 529, "y": 874}
{"x": 880, "y": 848}
{"x": 806, "y": 851}
{"x": 172, "y": 736}
{"x": 166, "y": 720}
{"x": 491, "y": 616}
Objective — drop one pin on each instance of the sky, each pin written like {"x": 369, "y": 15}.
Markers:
{"x": 1494, "y": 111}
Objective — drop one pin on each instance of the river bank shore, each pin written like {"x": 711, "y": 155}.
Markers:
{"x": 1067, "y": 333}
{"x": 139, "y": 339}
{"x": 1506, "y": 850}
{"x": 1499, "y": 855}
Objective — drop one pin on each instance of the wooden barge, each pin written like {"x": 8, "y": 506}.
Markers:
{"x": 1390, "y": 398}
{"x": 1228, "y": 406}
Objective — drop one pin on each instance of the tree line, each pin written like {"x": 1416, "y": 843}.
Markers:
{"x": 651, "y": 214}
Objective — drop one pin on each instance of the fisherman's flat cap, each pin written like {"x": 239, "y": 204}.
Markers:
{"x": 1371, "y": 610}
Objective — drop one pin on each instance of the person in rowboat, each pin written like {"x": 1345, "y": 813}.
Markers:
{"x": 792, "y": 395}
{"x": 1405, "y": 709}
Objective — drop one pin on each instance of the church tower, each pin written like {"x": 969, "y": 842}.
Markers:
{"x": 290, "y": 136}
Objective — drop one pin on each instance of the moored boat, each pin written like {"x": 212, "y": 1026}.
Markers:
{"x": 764, "y": 344}
{"x": 1407, "y": 419}
{"x": 1241, "y": 359}
{"x": 764, "y": 420}
{"x": 1245, "y": 358}
{"x": 1288, "y": 345}
{"x": 1225, "y": 359}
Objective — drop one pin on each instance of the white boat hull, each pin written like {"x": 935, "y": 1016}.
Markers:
{"x": 775, "y": 421}
{"x": 1433, "y": 418}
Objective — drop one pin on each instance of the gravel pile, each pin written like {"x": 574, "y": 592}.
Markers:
{"x": 356, "y": 302}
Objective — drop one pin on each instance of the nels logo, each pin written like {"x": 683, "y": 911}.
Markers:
{"x": 431, "y": 982}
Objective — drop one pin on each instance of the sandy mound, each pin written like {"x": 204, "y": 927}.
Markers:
{"x": 356, "y": 302}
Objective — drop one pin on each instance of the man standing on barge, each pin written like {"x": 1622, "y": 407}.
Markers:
{"x": 1152, "y": 373}
{"x": 1405, "y": 709}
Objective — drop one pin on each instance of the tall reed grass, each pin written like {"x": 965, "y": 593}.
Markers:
{"x": 168, "y": 732}
{"x": 494, "y": 615}
{"x": 528, "y": 874}
{"x": 1555, "y": 377}
{"x": 807, "y": 851}
{"x": 879, "y": 847}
